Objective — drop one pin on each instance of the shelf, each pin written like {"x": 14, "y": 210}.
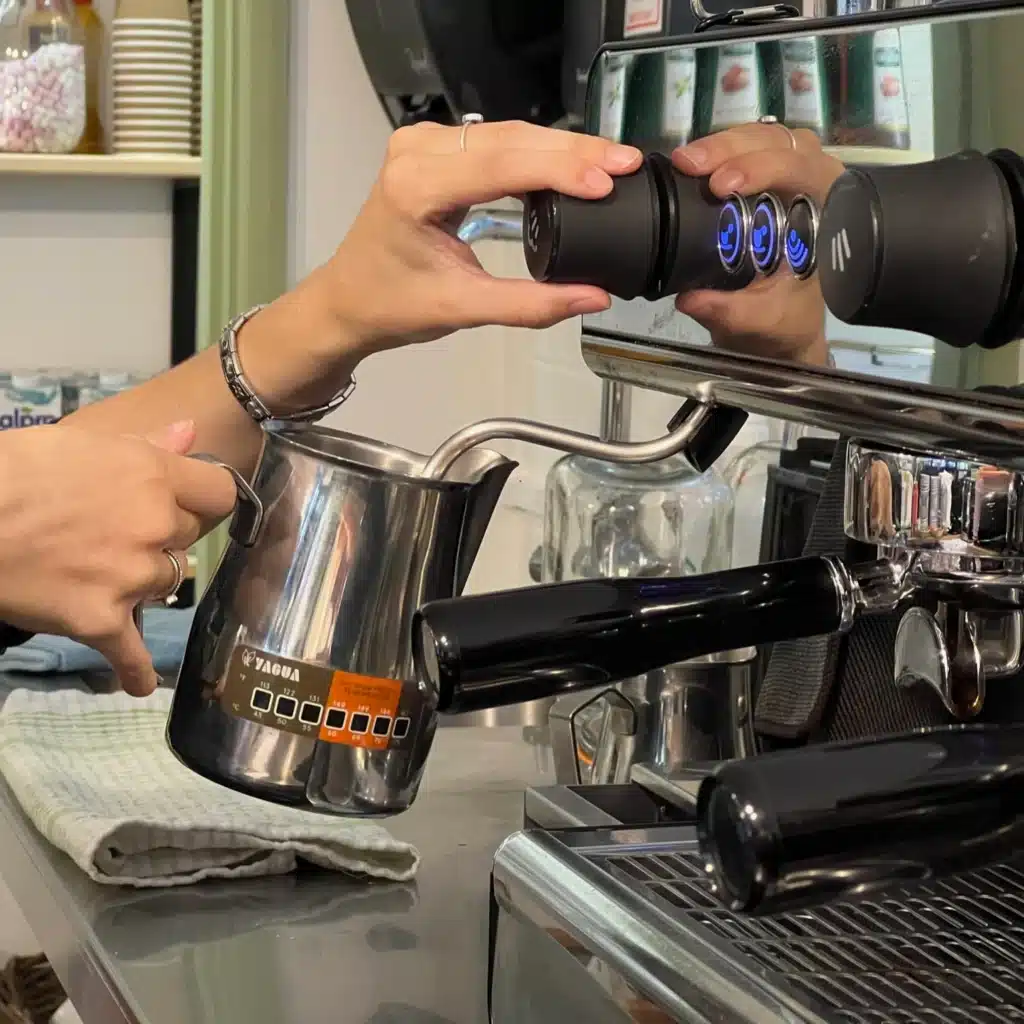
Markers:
{"x": 123, "y": 166}
{"x": 874, "y": 156}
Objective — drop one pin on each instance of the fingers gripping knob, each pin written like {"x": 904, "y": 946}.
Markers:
{"x": 657, "y": 233}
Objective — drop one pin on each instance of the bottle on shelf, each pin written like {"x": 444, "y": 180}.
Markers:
{"x": 94, "y": 387}
{"x": 805, "y": 102}
{"x": 871, "y": 102}
{"x": 609, "y": 119}
{"x": 660, "y": 100}
{"x": 29, "y": 398}
{"x": 92, "y": 140}
{"x": 732, "y": 86}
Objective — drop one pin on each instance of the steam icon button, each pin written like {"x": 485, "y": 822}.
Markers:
{"x": 801, "y": 233}
{"x": 733, "y": 221}
{"x": 766, "y": 227}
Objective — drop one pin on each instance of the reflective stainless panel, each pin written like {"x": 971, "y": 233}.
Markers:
{"x": 887, "y": 87}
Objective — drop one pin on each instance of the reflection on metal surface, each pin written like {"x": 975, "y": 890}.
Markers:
{"x": 925, "y": 55}
{"x": 961, "y": 516}
{"x": 641, "y": 902}
{"x": 944, "y": 657}
{"x": 532, "y": 714}
{"x": 694, "y": 711}
{"x": 483, "y": 225}
{"x": 966, "y": 425}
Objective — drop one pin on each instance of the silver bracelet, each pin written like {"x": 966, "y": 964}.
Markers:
{"x": 243, "y": 391}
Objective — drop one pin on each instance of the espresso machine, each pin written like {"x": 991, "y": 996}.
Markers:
{"x": 864, "y": 862}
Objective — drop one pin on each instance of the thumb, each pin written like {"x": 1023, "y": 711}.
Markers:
{"x": 177, "y": 438}
{"x": 130, "y": 660}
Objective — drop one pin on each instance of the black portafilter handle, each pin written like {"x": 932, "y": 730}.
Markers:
{"x": 930, "y": 247}
{"x": 490, "y": 650}
{"x": 655, "y": 234}
{"x": 798, "y": 827}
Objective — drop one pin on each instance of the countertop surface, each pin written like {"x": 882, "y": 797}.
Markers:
{"x": 313, "y": 948}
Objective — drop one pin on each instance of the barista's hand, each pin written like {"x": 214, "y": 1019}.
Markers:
{"x": 402, "y": 276}
{"x": 779, "y": 316}
{"x": 86, "y": 521}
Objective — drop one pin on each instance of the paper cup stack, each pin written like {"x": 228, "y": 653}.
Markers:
{"x": 152, "y": 60}
{"x": 195, "y": 8}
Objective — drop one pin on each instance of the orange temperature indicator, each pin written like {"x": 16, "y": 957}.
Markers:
{"x": 360, "y": 711}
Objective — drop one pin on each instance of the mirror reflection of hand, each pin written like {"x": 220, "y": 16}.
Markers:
{"x": 778, "y": 317}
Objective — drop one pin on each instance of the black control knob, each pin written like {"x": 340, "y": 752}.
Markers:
{"x": 611, "y": 242}
{"x": 928, "y": 247}
{"x": 656, "y": 234}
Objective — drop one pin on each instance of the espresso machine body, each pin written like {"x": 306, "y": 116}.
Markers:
{"x": 878, "y": 879}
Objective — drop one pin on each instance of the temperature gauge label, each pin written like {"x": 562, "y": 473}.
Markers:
{"x": 319, "y": 703}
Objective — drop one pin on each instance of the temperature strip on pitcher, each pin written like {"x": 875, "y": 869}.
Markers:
{"x": 315, "y": 701}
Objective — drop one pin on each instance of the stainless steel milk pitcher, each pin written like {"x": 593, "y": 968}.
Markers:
{"x": 303, "y": 636}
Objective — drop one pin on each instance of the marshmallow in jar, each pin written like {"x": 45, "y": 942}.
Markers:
{"x": 42, "y": 78}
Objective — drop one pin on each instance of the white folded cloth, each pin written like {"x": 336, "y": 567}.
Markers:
{"x": 95, "y": 776}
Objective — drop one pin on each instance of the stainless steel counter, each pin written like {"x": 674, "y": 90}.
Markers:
{"x": 311, "y": 949}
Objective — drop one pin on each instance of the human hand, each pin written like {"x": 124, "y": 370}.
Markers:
{"x": 86, "y": 521}
{"x": 779, "y": 316}
{"x": 402, "y": 276}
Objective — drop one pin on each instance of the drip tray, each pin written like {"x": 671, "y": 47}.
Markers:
{"x": 950, "y": 950}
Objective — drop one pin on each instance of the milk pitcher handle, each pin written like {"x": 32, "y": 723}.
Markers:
{"x": 246, "y": 522}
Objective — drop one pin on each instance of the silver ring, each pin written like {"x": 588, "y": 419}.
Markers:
{"x": 467, "y": 120}
{"x": 771, "y": 119}
{"x": 171, "y": 597}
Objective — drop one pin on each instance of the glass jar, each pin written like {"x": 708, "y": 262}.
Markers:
{"x": 42, "y": 76}
{"x": 604, "y": 519}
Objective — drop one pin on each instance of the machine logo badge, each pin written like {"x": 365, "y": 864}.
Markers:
{"x": 840, "y": 250}
{"x": 247, "y": 658}
{"x": 533, "y": 230}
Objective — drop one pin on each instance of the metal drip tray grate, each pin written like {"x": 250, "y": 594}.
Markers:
{"x": 945, "y": 952}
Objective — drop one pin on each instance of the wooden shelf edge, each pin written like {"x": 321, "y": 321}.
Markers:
{"x": 872, "y": 156}
{"x": 100, "y": 166}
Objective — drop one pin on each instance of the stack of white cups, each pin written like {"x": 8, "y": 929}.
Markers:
{"x": 196, "y": 12}
{"x": 152, "y": 60}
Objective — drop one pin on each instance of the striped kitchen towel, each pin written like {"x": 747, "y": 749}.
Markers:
{"x": 95, "y": 776}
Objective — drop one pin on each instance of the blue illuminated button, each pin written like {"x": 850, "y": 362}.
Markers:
{"x": 766, "y": 225}
{"x": 732, "y": 233}
{"x": 801, "y": 237}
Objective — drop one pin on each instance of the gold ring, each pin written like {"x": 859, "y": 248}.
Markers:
{"x": 171, "y": 597}
{"x": 467, "y": 120}
{"x": 771, "y": 119}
